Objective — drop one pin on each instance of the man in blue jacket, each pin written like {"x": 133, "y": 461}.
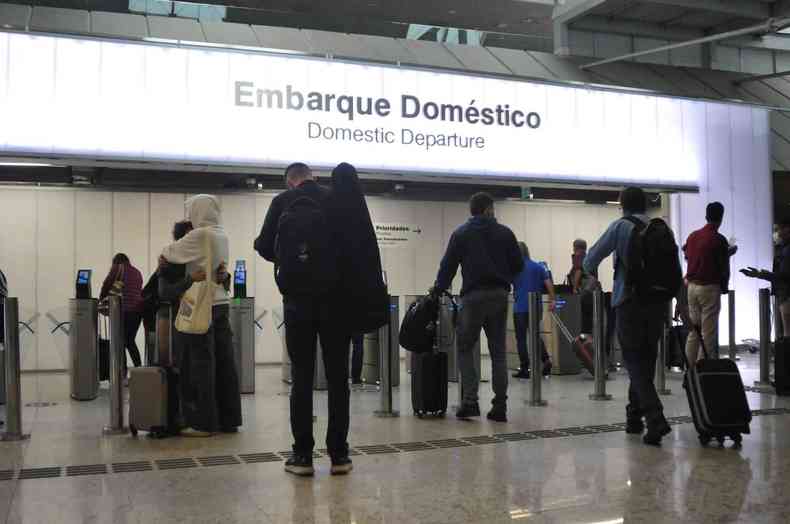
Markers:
{"x": 490, "y": 259}
{"x": 639, "y": 325}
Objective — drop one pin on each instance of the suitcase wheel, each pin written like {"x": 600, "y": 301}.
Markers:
{"x": 720, "y": 441}
{"x": 738, "y": 439}
{"x": 133, "y": 430}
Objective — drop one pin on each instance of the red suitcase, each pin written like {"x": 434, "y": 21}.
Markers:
{"x": 582, "y": 345}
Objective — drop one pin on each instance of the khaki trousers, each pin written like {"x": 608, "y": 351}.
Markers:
{"x": 704, "y": 309}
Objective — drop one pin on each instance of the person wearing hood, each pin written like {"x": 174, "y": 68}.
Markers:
{"x": 314, "y": 306}
{"x": 210, "y": 394}
{"x": 490, "y": 260}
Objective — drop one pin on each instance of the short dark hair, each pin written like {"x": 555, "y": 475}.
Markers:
{"x": 299, "y": 167}
{"x": 480, "y": 203}
{"x": 714, "y": 212}
{"x": 120, "y": 258}
{"x": 633, "y": 200}
{"x": 181, "y": 228}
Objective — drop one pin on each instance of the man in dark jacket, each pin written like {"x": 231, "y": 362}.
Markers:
{"x": 308, "y": 316}
{"x": 490, "y": 260}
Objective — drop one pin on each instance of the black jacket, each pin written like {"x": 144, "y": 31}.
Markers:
{"x": 264, "y": 244}
{"x": 487, "y": 252}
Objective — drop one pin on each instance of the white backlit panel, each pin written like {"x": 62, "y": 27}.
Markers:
{"x": 154, "y": 102}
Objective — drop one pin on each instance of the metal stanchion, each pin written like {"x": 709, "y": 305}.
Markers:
{"x": 661, "y": 364}
{"x": 386, "y": 334}
{"x": 599, "y": 349}
{"x": 731, "y": 317}
{"x": 117, "y": 356}
{"x": 535, "y": 311}
{"x": 13, "y": 385}
{"x": 765, "y": 339}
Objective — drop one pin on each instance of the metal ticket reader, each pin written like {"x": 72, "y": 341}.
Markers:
{"x": 242, "y": 323}
{"x": 84, "y": 339}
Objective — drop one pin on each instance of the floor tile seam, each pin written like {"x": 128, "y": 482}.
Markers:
{"x": 171, "y": 463}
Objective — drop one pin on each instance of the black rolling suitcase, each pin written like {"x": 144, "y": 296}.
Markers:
{"x": 782, "y": 366}
{"x": 429, "y": 383}
{"x": 717, "y": 399}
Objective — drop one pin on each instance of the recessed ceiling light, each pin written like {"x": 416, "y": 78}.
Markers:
{"x": 501, "y": 25}
{"x": 452, "y": 11}
{"x": 527, "y": 21}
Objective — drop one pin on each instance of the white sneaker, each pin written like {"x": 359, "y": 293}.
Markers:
{"x": 195, "y": 433}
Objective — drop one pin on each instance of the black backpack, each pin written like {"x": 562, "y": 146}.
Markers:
{"x": 418, "y": 329}
{"x": 653, "y": 267}
{"x": 305, "y": 261}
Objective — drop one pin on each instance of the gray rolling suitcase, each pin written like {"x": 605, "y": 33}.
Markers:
{"x": 153, "y": 390}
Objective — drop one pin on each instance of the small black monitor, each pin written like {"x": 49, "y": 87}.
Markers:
{"x": 240, "y": 279}
{"x": 84, "y": 283}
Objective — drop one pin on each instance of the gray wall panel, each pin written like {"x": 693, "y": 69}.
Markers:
{"x": 582, "y": 43}
{"x": 686, "y": 56}
{"x": 521, "y": 63}
{"x": 643, "y": 44}
{"x": 757, "y": 61}
{"x": 230, "y": 34}
{"x": 726, "y": 58}
{"x": 60, "y": 20}
{"x": 171, "y": 28}
{"x": 386, "y": 48}
{"x": 336, "y": 44}
{"x": 564, "y": 69}
{"x": 684, "y": 82}
{"x": 282, "y": 38}
{"x": 780, "y": 149}
{"x": 431, "y": 54}
{"x": 118, "y": 24}
{"x": 477, "y": 59}
{"x": 15, "y": 16}
{"x": 608, "y": 46}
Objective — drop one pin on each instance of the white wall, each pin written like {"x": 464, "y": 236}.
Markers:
{"x": 47, "y": 234}
{"x": 739, "y": 176}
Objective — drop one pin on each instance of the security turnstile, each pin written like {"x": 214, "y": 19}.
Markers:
{"x": 242, "y": 323}
{"x": 563, "y": 358}
{"x": 83, "y": 348}
{"x": 371, "y": 368}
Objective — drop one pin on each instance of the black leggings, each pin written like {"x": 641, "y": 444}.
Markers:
{"x": 131, "y": 323}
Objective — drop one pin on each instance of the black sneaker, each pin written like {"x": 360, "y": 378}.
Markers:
{"x": 547, "y": 368}
{"x": 522, "y": 373}
{"x": 300, "y": 465}
{"x": 634, "y": 426}
{"x": 341, "y": 466}
{"x": 655, "y": 432}
{"x": 497, "y": 414}
{"x": 468, "y": 411}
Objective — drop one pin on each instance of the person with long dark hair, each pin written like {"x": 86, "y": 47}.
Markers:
{"x": 126, "y": 281}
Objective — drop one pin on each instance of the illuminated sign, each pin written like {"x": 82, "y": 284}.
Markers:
{"x": 64, "y": 96}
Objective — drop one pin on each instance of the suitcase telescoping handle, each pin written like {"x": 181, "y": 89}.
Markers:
{"x": 562, "y": 327}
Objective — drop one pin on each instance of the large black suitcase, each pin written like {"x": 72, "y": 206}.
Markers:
{"x": 429, "y": 384}
{"x": 717, "y": 399}
{"x": 782, "y": 366}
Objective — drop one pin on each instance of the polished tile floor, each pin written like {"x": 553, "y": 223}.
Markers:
{"x": 600, "y": 478}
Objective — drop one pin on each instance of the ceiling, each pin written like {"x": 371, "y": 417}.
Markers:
{"x": 378, "y": 17}
{"x": 669, "y": 18}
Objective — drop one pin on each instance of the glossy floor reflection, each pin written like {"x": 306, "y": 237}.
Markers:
{"x": 602, "y": 478}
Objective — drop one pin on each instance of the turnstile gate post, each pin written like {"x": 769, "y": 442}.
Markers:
{"x": 661, "y": 361}
{"x": 117, "y": 356}
{"x": 731, "y": 326}
{"x": 386, "y": 348}
{"x": 765, "y": 339}
{"x": 535, "y": 354}
{"x": 599, "y": 348}
{"x": 13, "y": 385}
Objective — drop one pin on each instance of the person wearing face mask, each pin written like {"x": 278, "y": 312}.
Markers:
{"x": 779, "y": 276}
{"x": 490, "y": 260}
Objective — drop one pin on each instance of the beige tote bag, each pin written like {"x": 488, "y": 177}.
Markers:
{"x": 194, "y": 312}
